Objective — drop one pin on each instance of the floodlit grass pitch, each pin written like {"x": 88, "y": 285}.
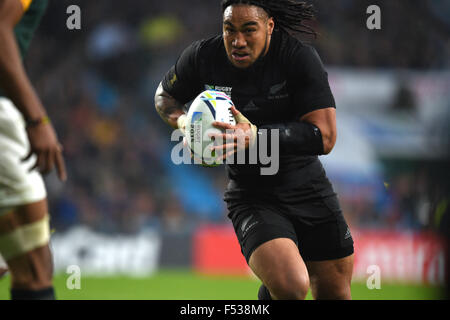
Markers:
{"x": 186, "y": 285}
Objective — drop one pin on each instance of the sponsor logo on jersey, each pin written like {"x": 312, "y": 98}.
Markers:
{"x": 224, "y": 89}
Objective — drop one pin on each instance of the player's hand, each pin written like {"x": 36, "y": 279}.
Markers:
{"x": 181, "y": 123}
{"x": 238, "y": 137}
{"x": 45, "y": 145}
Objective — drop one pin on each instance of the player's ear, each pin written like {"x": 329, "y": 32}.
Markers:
{"x": 270, "y": 25}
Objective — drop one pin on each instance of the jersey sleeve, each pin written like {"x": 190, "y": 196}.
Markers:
{"x": 182, "y": 81}
{"x": 25, "y": 4}
{"x": 309, "y": 82}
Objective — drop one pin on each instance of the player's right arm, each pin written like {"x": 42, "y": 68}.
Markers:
{"x": 15, "y": 83}
{"x": 168, "y": 108}
{"x": 179, "y": 86}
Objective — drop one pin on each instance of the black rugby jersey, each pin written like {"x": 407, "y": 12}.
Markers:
{"x": 285, "y": 84}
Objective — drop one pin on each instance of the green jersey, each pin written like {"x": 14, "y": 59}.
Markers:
{"x": 27, "y": 25}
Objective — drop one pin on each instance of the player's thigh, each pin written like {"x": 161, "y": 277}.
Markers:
{"x": 327, "y": 248}
{"x": 256, "y": 224}
{"x": 331, "y": 279}
{"x": 15, "y": 217}
{"x": 269, "y": 244}
{"x": 279, "y": 265}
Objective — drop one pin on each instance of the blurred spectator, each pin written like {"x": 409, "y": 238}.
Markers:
{"x": 404, "y": 101}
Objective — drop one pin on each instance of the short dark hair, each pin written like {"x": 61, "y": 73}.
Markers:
{"x": 288, "y": 15}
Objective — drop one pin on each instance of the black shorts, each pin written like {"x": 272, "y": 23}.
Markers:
{"x": 326, "y": 237}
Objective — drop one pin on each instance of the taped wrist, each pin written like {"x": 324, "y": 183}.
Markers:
{"x": 296, "y": 138}
{"x": 240, "y": 118}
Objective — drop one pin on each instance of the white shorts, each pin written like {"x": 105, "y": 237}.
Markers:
{"x": 18, "y": 186}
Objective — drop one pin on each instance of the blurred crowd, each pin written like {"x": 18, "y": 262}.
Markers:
{"x": 98, "y": 85}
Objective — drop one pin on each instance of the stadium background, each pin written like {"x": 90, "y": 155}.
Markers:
{"x": 140, "y": 227}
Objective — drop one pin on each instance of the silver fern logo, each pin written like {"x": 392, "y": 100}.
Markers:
{"x": 277, "y": 88}
{"x": 278, "y": 91}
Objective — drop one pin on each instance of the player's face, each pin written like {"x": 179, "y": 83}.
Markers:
{"x": 247, "y": 32}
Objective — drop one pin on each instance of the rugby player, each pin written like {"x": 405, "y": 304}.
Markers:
{"x": 290, "y": 225}
{"x": 28, "y": 147}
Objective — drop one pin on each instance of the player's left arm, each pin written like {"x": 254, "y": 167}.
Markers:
{"x": 325, "y": 121}
{"x": 313, "y": 134}
{"x": 312, "y": 130}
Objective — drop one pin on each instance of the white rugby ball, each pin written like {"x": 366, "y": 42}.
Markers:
{"x": 207, "y": 107}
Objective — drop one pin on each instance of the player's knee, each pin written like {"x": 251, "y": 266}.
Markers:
{"x": 28, "y": 255}
{"x": 343, "y": 294}
{"x": 336, "y": 292}
{"x": 290, "y": 288}
{"x": 32, "y": 270}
